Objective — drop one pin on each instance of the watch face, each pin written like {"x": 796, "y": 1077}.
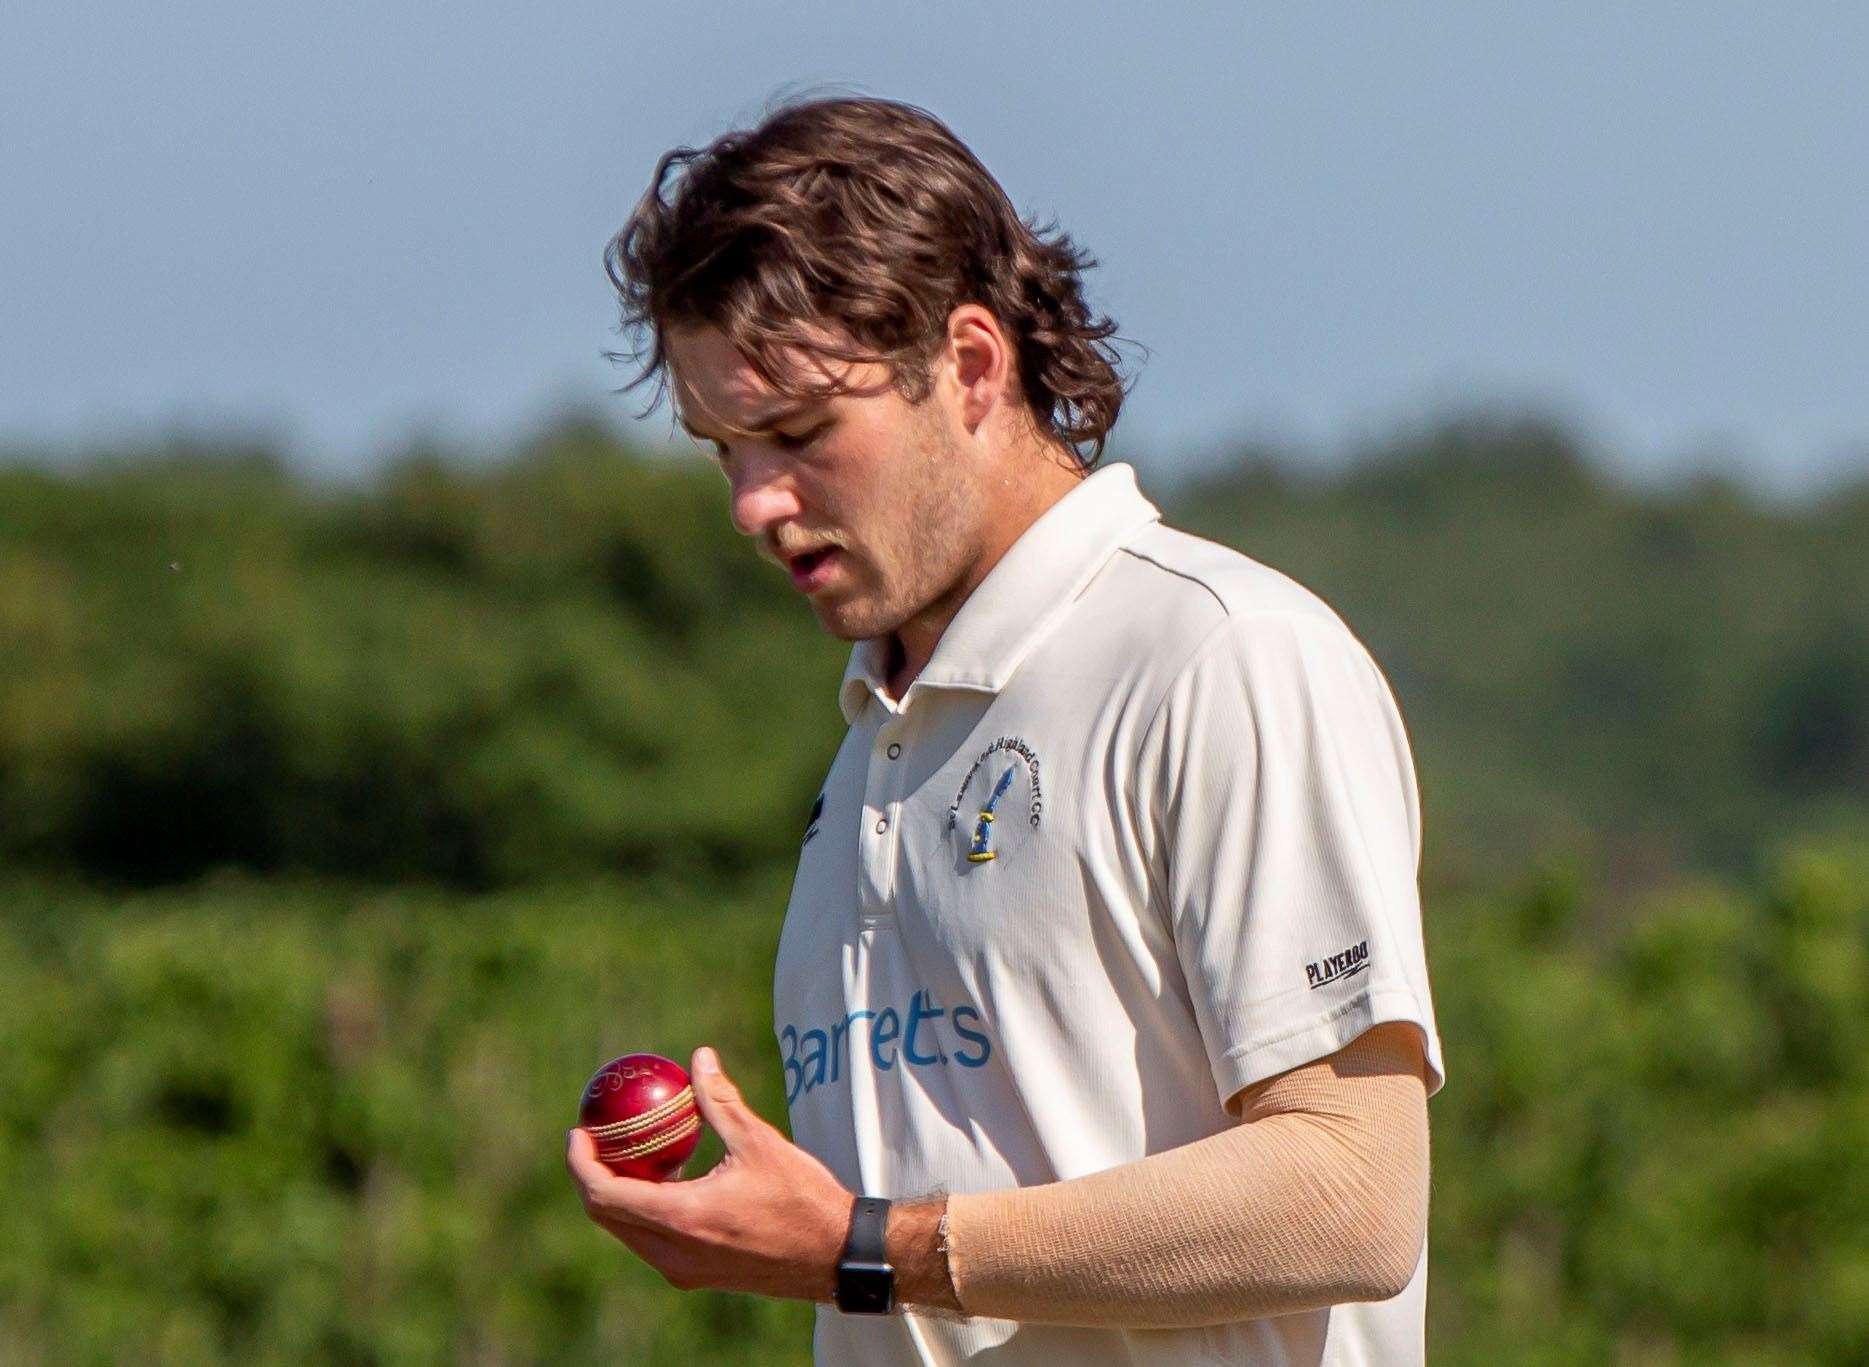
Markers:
{"x": 866, "y": 1288}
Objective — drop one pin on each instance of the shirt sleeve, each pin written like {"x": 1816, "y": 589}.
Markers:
{"x": 1279, "y": 794}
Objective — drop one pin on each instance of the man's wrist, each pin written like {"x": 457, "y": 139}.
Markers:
{"x": 826, "y": 1290}
{"x": 917, "y": 1246}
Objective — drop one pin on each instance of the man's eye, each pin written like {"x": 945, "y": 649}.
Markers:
{"x": 788, "y": 441}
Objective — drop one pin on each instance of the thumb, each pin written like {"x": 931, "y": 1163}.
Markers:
{"x": 720, "y": 1102}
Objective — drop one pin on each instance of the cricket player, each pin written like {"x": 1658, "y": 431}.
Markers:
{"x": 1101, "y": 997}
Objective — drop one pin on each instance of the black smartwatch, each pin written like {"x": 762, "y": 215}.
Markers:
{"x": 866, "y": 1283}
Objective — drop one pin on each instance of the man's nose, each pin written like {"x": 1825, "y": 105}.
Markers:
{"x": 762, "y": 497}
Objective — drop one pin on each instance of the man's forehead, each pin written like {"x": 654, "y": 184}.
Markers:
{"x": 703, "y": 358}
{"x": 714, "y": 384}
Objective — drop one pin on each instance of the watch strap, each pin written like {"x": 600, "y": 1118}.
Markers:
{"x": 869, "y": 1226}
{"x": 866, "y": 1283}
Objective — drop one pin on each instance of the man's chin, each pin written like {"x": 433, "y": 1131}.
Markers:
{"x": 851, "y": 621}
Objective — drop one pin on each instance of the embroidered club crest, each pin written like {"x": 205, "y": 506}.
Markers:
{"x": 1000, "y": 803}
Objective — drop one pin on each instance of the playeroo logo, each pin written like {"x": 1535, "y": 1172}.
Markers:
{"x": 1337, "y": 967}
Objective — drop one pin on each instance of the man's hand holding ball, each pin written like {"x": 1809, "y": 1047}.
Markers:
{"x": 768, "y": 1218}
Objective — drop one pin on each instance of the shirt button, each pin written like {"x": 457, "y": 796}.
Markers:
{"x": 895, "y": 751}
{"x": 882, "y": 824}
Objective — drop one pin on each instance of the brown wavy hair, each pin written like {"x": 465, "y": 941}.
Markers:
{"x": 870, "y": 215}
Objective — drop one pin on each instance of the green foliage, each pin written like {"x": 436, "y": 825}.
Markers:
{"x": 285, "y": 1124}
{"x": 568, "y": 664}
{"x": 257, "y": 1123}
{"x": 1659, "y": 679}
{"x": 1650, "y": 1150}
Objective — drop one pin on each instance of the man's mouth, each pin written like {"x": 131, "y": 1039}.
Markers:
{"x": 811, "y": 570}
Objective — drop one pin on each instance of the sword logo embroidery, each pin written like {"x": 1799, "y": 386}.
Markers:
{"x": 1001, "y": 798}
{"x": 982, "y": 850}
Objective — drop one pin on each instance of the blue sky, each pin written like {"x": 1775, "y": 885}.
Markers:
{"x": 349, "y": 223}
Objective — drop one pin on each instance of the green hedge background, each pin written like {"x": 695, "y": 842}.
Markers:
{"x": 343, "y": 831}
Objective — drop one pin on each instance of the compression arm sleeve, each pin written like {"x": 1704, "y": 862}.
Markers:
{"x": 1318, "y": 1197}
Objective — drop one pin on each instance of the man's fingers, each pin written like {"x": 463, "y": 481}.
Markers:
{"x": 614, "y": 1198}
{"x": 581, "y": 1158}
{"x": 592, "y": 1177}
{"x": 720, "y": 1102}
{"x": 662, "y": 1251}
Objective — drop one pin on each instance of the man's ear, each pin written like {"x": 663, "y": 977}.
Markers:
{"x": 982, "y": 359}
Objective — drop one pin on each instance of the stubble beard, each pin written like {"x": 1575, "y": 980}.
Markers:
{"x": 933, "y": 541}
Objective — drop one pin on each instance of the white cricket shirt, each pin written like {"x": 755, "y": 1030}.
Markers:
{"x": 1142, "y": 833}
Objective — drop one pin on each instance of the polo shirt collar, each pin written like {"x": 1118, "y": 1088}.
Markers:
{"x": 1022, "y": 597}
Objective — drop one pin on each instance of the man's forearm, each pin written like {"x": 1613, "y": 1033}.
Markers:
{"x": 1319, "y": 1197}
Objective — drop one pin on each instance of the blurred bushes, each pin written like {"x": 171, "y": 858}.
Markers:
{"x": 568, "y": 664}
{"x": 282, "y": 1124}
{"x": 1659, "y": 679}
{"x": 276, "y": 1124}
{"x": 1651, "y": 1149}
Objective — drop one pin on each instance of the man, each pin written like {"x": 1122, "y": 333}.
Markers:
{"x": 1101, "y": 997}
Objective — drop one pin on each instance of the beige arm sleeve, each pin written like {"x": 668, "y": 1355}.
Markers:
{"x": 1320, "y": 1196}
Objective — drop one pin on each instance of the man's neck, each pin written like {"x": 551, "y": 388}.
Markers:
{"x": 1024, "y": 498}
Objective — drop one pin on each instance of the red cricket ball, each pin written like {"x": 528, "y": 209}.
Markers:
{"x": 640, "y": 1110}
